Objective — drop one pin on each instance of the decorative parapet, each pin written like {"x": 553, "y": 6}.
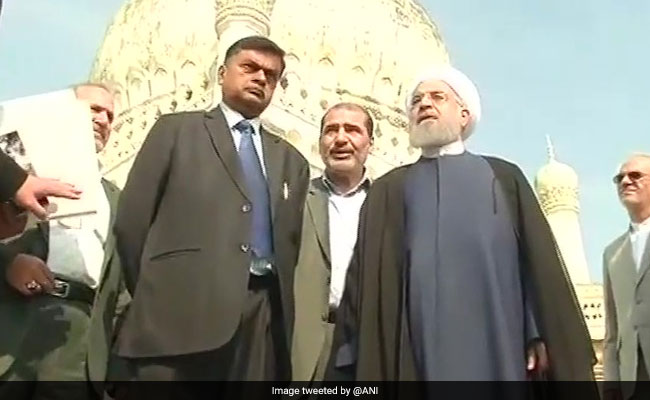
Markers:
{"x": 590, "y": 298}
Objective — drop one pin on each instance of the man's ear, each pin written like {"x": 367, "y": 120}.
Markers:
{"x": 220, "y": 72}
{"x": 465, "y": 117}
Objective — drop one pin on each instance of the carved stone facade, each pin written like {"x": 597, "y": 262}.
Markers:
{"x": 162, "y": 56}
{"x": 593, "y": 308}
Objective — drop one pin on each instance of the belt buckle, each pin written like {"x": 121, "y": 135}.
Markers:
{"x": 61, "y": 289}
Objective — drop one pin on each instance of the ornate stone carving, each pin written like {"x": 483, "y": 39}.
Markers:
{"x": 553, "y": 199}
{"x": 253, "y": 12}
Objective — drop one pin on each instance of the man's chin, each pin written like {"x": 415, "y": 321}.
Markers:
{"x": 630, "y": 200}
{"x": 341, "y": 166}
{"x": 251, "y": 106}
{"x": 427, "y": 141}
{"x": 99, "y": 146}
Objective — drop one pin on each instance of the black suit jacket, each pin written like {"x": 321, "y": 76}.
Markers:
{"x": 17, "y": 315}
{"x": 182, "y": 232}
{"x": 11, "y": 178}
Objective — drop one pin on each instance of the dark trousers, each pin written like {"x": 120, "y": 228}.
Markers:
{"x": 51, "y": 361}
{"x": 642, "y": 385}
{"x": 257, "y": 352}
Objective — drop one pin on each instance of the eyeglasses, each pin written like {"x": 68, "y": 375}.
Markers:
{"x": 437, "y": 98}
{"x": 633, "y": 175}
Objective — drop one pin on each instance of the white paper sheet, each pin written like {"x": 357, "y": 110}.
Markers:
{"x": 56, "y": 141}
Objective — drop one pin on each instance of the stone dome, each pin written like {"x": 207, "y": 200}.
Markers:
{"x": 556, "y": 174}
{"x": 161, "y": 57}
{"x": 556, "y": 185}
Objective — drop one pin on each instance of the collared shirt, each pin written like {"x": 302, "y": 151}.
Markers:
{"x": 343, "y": 209}
{"x": 76, "y": 244}
{"x": 639, "y": 233}
{"x": 258, "y": 266}
{"x": 233, "y": 118}
{"x": 454, "y": 148}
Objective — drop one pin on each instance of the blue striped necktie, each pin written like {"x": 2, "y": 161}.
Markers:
{"x": 258, "y": 193}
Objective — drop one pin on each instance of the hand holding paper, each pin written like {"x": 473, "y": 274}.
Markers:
{"x": 32, "y": 195}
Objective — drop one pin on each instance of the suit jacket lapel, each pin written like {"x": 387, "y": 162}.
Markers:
{"x": 223, "y": 144}
{"x": 622, "y": 263}
{"x": 112, "y": 194}
{"x": 318, "y": 210}
{"x": 645, "y": 260}
{"x": 274, "y": 165}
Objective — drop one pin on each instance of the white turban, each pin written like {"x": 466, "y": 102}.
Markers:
{"x": 461, "y": 84}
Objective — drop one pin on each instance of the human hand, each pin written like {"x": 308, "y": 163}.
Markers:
{"x": 537, "y": 358}
{"x": 32, "y": 195}
{"x": 29, "y": 275}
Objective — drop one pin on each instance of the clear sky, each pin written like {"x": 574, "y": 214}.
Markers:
{"x": 576, "y": 71}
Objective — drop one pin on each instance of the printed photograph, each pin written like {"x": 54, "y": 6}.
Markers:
{"x": 13, "y": 146}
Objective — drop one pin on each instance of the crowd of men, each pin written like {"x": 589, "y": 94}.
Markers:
{"x": 222, "y": 260}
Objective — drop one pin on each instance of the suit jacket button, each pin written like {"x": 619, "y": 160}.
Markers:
{"x": 244, "y": 247}
{"x": 245, "y": 208}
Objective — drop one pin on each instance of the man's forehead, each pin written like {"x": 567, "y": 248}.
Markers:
{"x": 341, "y": 116}
{"x": 641, "y": 163}
{"x": 433, "y": 85}
{"x": 93, "y": 92}
{"x": 263, "y": 58}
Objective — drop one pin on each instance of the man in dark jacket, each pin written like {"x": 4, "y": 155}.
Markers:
{"x": 208, "y": 231}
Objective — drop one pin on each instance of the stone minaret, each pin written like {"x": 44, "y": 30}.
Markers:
{"x": 557, "y": 189}
{"x": 237, "y": 19}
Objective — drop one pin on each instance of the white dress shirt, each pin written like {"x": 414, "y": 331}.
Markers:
{"x": 258, "y": 266}
{"x": 454, "y": 148}
{"x": 76, "y": 244}
{"x": 639, "y": 237}
{"x": 343, "y": 212}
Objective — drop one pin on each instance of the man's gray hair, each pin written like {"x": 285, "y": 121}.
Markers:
{"x": 636, "y": 154}
{"x": 107, "y": 87}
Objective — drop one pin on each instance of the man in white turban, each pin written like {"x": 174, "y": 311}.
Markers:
{"x": 455, "y": 274}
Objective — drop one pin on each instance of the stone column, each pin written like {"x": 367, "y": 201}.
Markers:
{"x": 240, "y": 18}
{"x": 234, "y": 20}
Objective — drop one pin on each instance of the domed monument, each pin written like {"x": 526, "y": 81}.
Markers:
{"x": 557, "y": 189}
{"x": 162, "y": 57}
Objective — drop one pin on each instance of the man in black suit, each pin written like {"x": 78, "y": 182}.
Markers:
{"x": 208, "y": 231}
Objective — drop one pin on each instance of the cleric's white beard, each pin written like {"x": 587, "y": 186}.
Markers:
{"x": 433, "y": 135}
